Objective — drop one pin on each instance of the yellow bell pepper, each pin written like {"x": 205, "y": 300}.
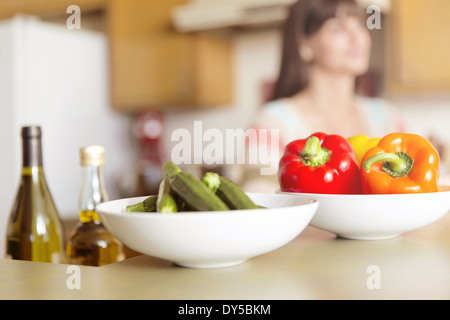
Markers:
{"x": 361, "y": 144}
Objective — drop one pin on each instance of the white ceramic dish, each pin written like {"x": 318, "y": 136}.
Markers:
{"x": 210, "y": 239}
{"x": 375, "y": 217}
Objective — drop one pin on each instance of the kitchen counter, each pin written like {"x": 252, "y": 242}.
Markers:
{"x": 315, "y": 265}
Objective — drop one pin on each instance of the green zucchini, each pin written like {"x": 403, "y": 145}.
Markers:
{"x": 171, "y": 169}
{"x": 193, "y": 191}
{"x": 229, "y": 192}
{"x": 148, "y": 205}
{"x": 212, "y": 181}
{"x": 233, "y": 196}
{"x": 166, "y": 202}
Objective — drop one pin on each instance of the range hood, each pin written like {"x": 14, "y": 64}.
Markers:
{"x": 201, "y": 15}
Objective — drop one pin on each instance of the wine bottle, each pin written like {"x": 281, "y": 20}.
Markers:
{"x": 90, "y": 243}
{"x": 34, "y": 231}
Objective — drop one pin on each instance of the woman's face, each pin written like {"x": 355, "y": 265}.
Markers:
{"x": 342, "y": 45}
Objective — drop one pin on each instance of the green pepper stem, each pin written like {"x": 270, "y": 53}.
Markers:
{"x": 313, "y": 154}
{"x": 395, "y": 164}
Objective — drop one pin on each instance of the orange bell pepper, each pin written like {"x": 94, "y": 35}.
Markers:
{"x": 401, "y": 163}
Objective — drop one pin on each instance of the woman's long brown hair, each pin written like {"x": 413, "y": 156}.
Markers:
{"x": 305, "y": 18}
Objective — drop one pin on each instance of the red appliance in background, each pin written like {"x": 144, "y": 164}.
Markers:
{"x": 146, "y": 173}
{"x": 148, "y": 131}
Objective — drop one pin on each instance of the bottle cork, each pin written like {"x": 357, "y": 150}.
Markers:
{"x": 93, "y": 155}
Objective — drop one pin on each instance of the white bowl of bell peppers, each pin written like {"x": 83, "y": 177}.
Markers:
{"x": 367, "y": 189}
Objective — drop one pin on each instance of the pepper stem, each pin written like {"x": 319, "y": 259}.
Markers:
{"x": 395, "y": 164}
{"x": 313, "y": 154}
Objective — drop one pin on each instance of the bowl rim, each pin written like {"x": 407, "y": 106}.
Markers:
{"x": 309, "y": 202}
{"x": 443, "y": 190}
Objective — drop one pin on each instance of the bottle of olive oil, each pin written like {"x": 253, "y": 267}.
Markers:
{"x": 34, "y": 231}
{"x": 90, "y": 243}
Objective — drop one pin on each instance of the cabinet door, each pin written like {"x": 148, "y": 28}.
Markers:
{"x": 154, "y": 66}
{"x": 419, "y": 46}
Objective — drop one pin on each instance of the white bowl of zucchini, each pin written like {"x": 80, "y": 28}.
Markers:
{"x": 206, "y": 223}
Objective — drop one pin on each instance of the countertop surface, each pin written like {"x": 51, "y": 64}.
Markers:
{"x": 315, "y": 265}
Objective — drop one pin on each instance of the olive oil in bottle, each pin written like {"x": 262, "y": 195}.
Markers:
{"x": 34, "y": 231}
{"x": 90, "y": 243}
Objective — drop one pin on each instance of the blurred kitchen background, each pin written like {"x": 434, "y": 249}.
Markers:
{"x": 137, "y": 70}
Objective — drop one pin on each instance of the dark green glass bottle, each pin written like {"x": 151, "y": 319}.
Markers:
{"x": 34, "y": 231}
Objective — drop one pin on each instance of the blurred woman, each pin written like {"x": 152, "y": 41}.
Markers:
{"x": 326, "y": 46}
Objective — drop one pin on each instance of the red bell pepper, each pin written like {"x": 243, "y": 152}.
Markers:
{"x": 321, "y": 163}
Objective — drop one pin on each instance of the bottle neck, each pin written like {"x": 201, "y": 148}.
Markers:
{"x": 31, "y": 152}
{"x": 35, "y": 172}
{"x": 93, "y": 192}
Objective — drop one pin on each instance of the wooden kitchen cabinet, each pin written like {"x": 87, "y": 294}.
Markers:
{"x": 151, "y": 64}
{"x": 418, "y": 46}
{"x": 47, "y": 8}
{"x": 154, "y": 66}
